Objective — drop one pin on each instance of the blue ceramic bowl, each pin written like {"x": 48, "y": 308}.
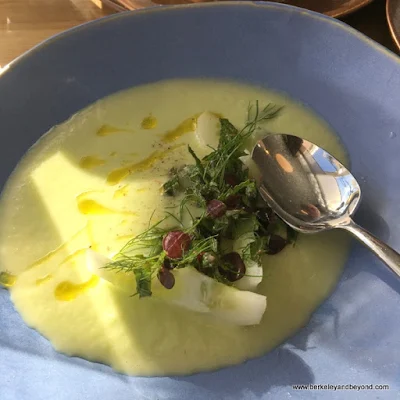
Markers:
{"x": 352, "y": 82}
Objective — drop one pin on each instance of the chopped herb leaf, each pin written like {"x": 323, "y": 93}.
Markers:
{"x": 143, "y": 282}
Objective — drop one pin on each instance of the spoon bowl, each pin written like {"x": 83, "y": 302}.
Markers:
{"x": 312, "y": 191}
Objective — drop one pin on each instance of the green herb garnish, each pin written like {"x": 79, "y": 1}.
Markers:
{"x": 230, "y": 210}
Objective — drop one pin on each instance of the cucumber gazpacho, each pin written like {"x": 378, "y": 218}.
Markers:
{"x": 133, "y": 233}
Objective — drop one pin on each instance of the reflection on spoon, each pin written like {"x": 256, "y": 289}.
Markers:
{"x": 312, "y": 191}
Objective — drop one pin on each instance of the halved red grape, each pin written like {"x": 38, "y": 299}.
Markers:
{"x": 216, "y": 208}
{"x": 175, "y": 243}
{"x": 166, "y": 278}
{"x": 276, "y": 244}
{"x": 234, "y": 268}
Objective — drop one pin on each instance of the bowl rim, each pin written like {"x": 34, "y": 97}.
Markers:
{"x": 225, "y": 4}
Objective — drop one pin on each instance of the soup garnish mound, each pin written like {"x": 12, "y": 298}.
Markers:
{"x": 220, "y": 229}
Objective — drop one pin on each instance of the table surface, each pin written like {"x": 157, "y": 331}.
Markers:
{"x": 24, "y": 23}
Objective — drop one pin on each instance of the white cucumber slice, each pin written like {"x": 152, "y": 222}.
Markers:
{"x": 193, "y": 291}
{"x": 207, "y": 130}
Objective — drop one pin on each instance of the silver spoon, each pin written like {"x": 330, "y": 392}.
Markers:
{"x": 312, "y": 191}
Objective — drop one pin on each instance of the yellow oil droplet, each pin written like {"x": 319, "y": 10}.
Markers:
{"x": 121, "y": 192}
{"x": 7, "y": 279}
{"x": 92, "y": 207}
{"x": 116, "y": 176}
{"x": 106, "y": 130}
{"x": 67, "y": 290}
{"x": 91, "y": 162}
{"x": 43, "y": 280}
{"x": 188, "y": 125}
{"x": 283, "y": 163}
{"x": 72, "y": 256}
{"x": 84, "y": 195}
{"x": 52, "y": 253}
{"x": 149, "y": 122}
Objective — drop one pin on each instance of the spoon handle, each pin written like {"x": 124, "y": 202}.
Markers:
{"x": 389, "y": 256}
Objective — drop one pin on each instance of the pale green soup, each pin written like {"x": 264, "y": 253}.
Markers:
{"x": 94, "y": 181}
